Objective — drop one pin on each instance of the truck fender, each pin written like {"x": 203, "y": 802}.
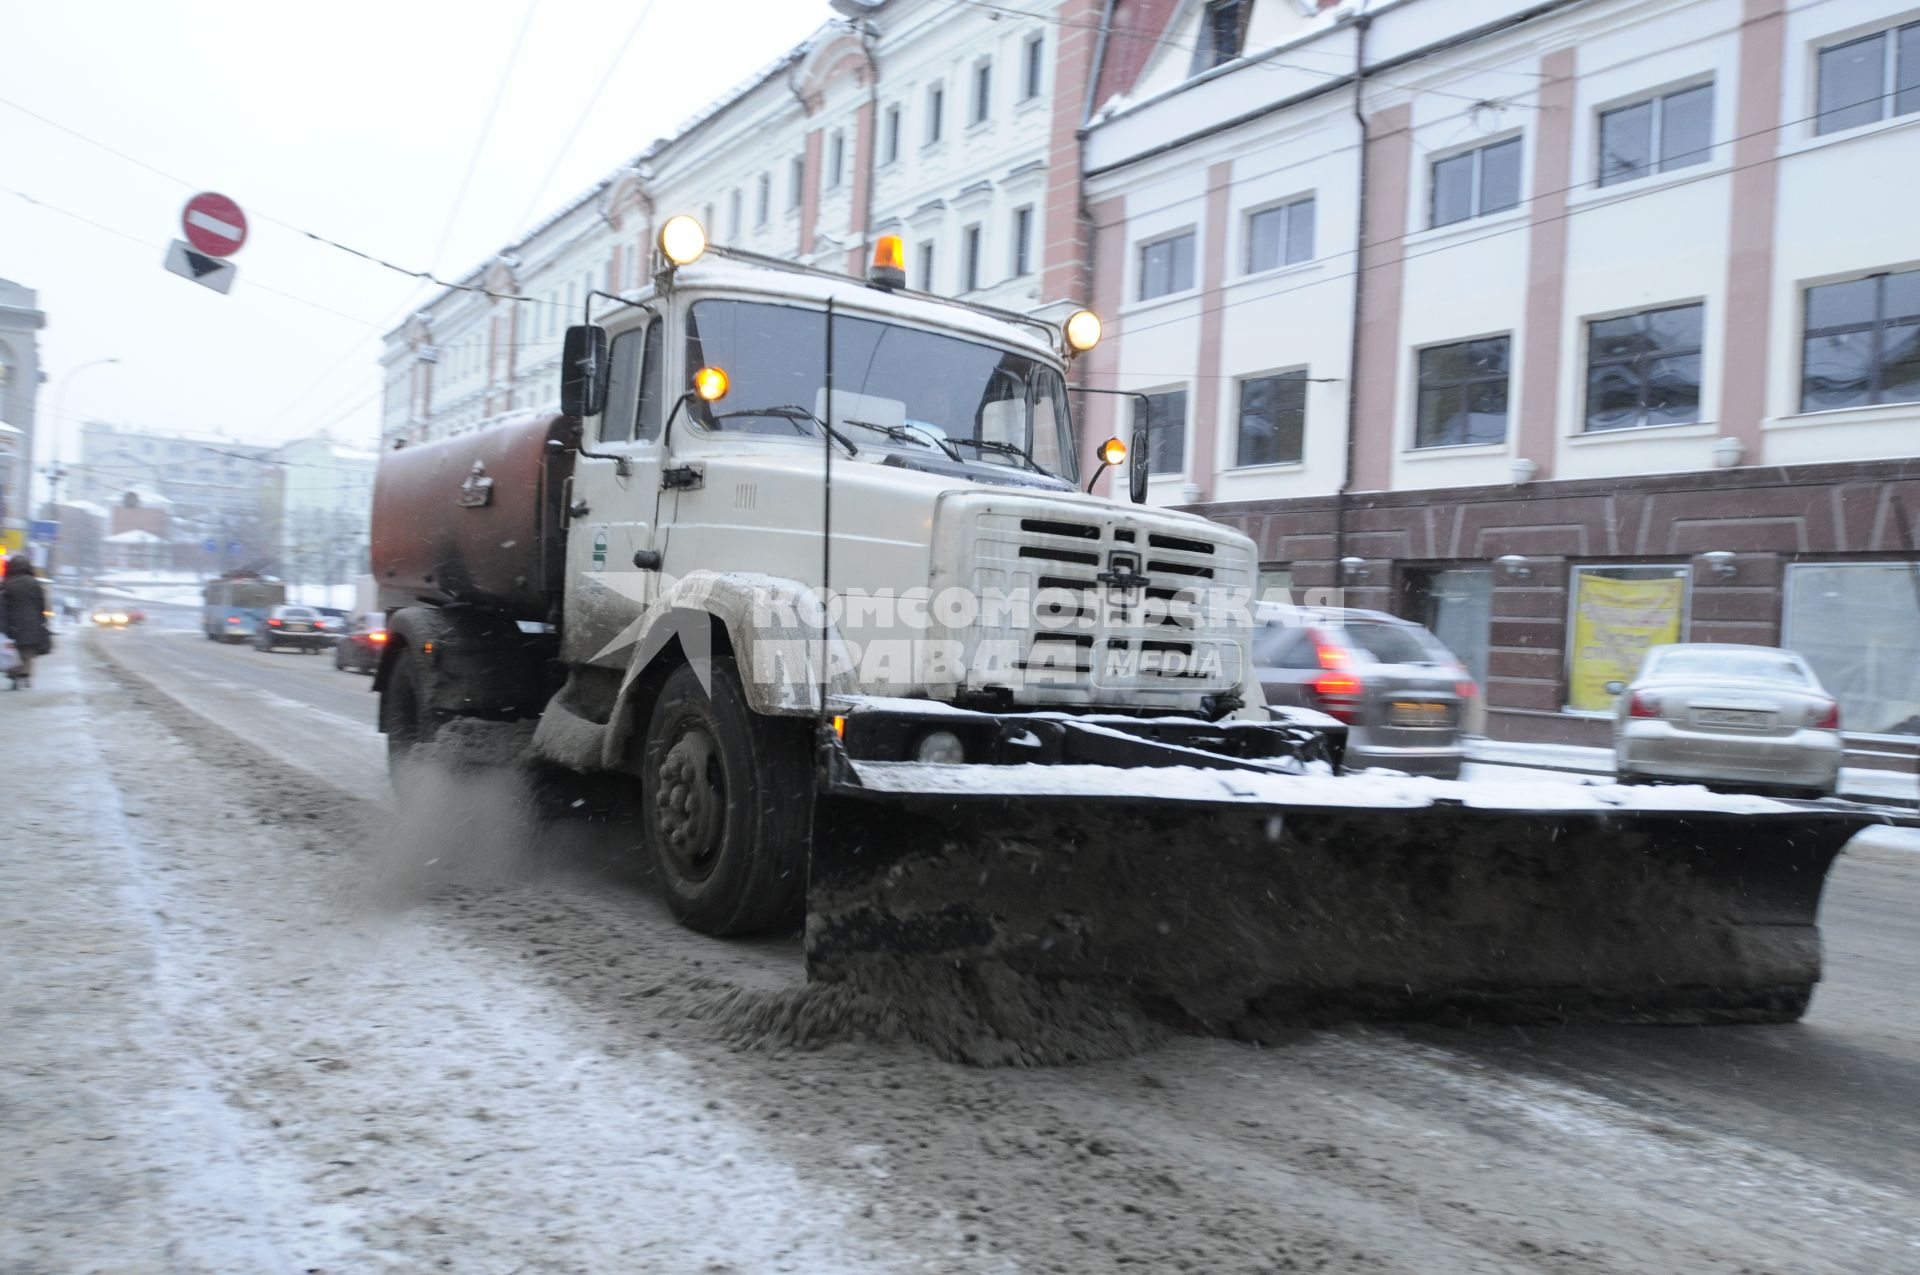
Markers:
{"x": 474, "y": 663}
{"x": 769, "y": 625}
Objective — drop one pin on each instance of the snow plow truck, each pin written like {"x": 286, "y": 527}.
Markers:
{"x": 811, "y": 563}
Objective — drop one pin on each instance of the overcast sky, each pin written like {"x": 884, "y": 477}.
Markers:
{"x": 355, "y": 120}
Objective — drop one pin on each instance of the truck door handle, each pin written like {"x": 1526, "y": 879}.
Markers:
{"x": 647, "y": 559}
{"x": 578, "y": 509}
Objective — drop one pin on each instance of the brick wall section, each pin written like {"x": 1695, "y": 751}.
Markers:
{"x": 809, "y": 192}
{"x": 1208, "y": 391}
{"x": 1743, "y": 401}
{"x": 1389, "y": 163}
{"x": 1138, "y": 27}
{"x": 1767, "y": 518}
{"x": 1547, "y": 261}
{"x": 1066, "y": 239}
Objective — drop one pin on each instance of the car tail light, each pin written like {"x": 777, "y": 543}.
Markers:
{"x": 376, "y": 636}
{"x": 1329, "y": 655}
{"x": 273, "y": 624}
{"x": 1466, "y": 688}
{"x": 1643, "y": 705}
{"x": 1828, "y": 718}
{"x": 233, "y": 619}
{"x": 1338, "y": 695}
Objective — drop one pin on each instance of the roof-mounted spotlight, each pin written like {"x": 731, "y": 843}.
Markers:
{"x": 1082, "y": 331}
{"x": 682, "y": 240}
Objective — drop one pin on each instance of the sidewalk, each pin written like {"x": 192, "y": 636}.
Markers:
{"x": 1880, "y": 787}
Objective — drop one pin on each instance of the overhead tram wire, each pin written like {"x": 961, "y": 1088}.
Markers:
{"x": 1347, "y": 147}
{"x": 586, "y": 112}
{"x": 486, "y": 131}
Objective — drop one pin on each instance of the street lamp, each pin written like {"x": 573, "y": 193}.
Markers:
{"x": 53, "y": 471}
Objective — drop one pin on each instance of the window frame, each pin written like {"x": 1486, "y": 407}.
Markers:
{"x": 1657, "y": 161}
{"x": 1476, "y": 188}
{"x": 1463, "y": 384}
{"x": 1877, "y": 326}
{"x": 936, "y": 102}
{"x": 1022, "y": 241}
{"x": 763, "y": 200}
{"x": 1887, "y": 101}
{"x": 1206, "y": 50}
{"x": 1295, "y": 375}
{"x": 1146, "y": 246}
{"x": 836, "y": 165}
{"x": 892, "y": 124}
{"x": 928, "y": 258}
{"x": 1637, "y": 363}
{"x": 1033, "y": 66}
{"x": 972, "y": 249}
{"x": 797, "y": 182}
{"x": 980, "y": 88}
{"x": 736, "y": 213}
{"x": 1285, "y": 207}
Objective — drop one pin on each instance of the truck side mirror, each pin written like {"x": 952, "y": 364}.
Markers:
{"x": 583, "y": 371}
{"x": 1137, "y": 474}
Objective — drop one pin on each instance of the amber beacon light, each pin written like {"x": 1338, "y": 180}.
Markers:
{"x": 889, "y": 269}
{"x": 711, "y": 383}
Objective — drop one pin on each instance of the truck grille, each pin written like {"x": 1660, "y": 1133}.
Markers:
{"x": 1118, "y": 607}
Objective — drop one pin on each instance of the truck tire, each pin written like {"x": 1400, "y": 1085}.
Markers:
{"x": 406, "y": 718}
{"x": 726, "y": 804}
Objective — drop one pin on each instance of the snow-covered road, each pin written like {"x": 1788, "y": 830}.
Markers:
{"x": 254, "y": 1021}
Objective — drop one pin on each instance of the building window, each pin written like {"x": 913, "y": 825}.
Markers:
{"x": 733, "y": 213}
{"x": 1862, "y": 343}
{"x": 1858, "y": 625}
{"x": 926, "y": 266}
{"x": 1166, "y": 431}
{"x": 796, "y": 180}
{"x": 1480, "y": 181}
{"x": 1644, "y": 369}
{"x": 1032, "y": 67}
{"x": 970, "y": 259}
{"x": 982, "y": 93}
{"x": 763, "y": 199}
{"x": 1223, "y": 24}
{"x": 1273, "y": 419}
{"x": 1869, "y": 79}
{"x": 890, "y": 149}
{"x": 1166, "y": 266}
{"x": 1280, "y": 236}
{"x": 1463, "y": 394}
{"x": 1022, "y": 242}
{"x": 836, "y": 159}
{"x": 1456, "y": 603}
{"x": 1657, "y": 135}
{"x": 936, "y": 109}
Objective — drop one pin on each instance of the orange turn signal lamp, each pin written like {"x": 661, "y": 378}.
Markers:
{"x": 1112, "y": 452}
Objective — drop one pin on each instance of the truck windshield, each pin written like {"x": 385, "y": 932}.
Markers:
{"x": 895, "y": 388}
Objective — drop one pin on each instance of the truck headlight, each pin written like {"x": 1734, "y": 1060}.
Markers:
{"x": 1083, "y": 330}
{"x": 941, "y": 748}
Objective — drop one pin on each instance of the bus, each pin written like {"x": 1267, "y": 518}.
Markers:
{"x": 237, "y": 606}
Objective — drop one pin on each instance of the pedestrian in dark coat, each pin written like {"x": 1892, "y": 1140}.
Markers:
{"x": 23, "y": 617}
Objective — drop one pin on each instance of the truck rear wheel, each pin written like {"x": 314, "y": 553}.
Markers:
{"x": 726, "y": 805}
{"x": 406, "y": 718}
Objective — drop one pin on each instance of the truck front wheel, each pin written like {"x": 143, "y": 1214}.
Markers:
{"x": 726, "y": 805}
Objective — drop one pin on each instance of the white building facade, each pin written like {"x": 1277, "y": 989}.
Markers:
{"x": 1566, "y": 327}
{"x": 954, "y": 126}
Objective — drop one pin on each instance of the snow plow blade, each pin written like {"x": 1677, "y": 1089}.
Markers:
{"x": 1235, "y": 902}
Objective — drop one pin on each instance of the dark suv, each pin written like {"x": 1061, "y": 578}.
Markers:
{"x": 1404, "y": 697}
{"x": 298, "y": 627}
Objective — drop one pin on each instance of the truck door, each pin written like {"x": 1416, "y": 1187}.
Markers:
{"x": 614, "y": 501}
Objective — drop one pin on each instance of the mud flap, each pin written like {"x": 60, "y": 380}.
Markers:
{"x": 1238, "y": 917}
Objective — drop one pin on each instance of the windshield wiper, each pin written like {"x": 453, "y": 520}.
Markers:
{"x": 1005, "y": 449}
{"x": 907, "y": 434}
{"x": 793, "y": 413}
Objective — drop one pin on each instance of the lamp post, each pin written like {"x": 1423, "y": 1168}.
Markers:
{"x": 54, "y": 473}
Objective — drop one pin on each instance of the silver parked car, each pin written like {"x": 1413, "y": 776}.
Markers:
{"x": 1404, "y": 696}
{"x": 1753, "y": 717}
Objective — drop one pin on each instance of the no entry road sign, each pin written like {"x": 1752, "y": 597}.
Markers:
{"x": 214, "y": 224}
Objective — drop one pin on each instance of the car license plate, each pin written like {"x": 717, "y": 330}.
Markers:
{"x": 1732, "y": 717}
{"x": 1416, "y": 713}
{"x": 296, "y": 627}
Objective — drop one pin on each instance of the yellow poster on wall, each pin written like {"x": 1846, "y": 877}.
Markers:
{"x": 1614, "y": 622}
{"x": 12, "y": 541}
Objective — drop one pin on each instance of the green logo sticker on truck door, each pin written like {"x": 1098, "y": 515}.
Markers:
{"x": 600, "y": 549}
